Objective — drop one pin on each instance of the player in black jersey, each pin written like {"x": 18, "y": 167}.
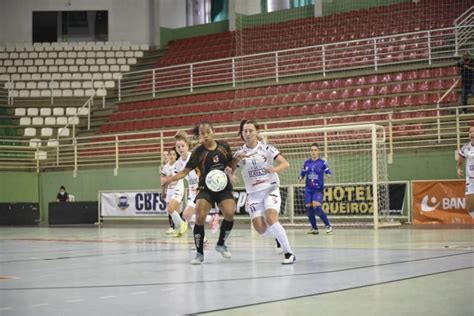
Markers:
{"x": 209, "y": 156}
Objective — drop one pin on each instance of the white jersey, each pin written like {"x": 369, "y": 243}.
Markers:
{"x": 254, "y": 173}
{"x": 467, "y": 152}
{"x": 192, "y": 178}
{"x": 168, "y": 171}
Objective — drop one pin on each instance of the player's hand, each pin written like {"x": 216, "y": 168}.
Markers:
{"x": 165, "y": 181}
{"x": 234, "y": 179}
{"x": 460, "y": 172}
{"x": 239, "y": 156}
{"x": 270, "y": 169}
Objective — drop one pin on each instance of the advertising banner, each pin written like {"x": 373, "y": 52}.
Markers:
{"x": 150, "y": 203}
{"x": 440, "y": 202}
{"x": 347, "y": 199}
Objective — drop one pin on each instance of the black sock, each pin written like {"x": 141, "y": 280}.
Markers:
{"x": 278, "y": 243}
{"x": 226, "y": 227}
{"x": 199, "y": 238}
{"x": 170, "y": 220}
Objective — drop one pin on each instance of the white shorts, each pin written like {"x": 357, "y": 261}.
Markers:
{"x": 191, "y": 199}
{"x": 175, "y": 194}
{"x": 469, "y": 186}
{"x": 263, "y": 200}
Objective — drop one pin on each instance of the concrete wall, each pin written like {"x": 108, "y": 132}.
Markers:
{"x": 172, "y": 13}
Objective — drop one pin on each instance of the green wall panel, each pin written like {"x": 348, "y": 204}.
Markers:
{"x": 42, "y": 188}
{"x": 338, "y": 6}
{"x": 423, "y": 165}
{"x": 18, "y": 187}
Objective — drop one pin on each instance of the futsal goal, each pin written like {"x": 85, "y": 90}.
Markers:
{"x": 357, "y": 193}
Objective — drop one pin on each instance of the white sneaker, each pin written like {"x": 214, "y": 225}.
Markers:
{"x": 289, "y": 258}
{"x": 170, "y": 231}
{"x": 278, "y": 250}
{"x": 328, "y": 229}
{"x": 224, "y": 251}
{"x": 198, "y": 259}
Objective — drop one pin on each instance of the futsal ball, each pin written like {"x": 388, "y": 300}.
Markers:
{"x": 216, "y": 180}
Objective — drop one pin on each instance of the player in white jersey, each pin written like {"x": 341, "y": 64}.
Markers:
{"x": 164, "y": 161}
{"x": 467, "y": 154}
{"x": 262, "y": 184}
{"x": 174, "y": 193}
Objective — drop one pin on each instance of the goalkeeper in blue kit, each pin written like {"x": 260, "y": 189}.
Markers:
{"x": 314, "y": 169}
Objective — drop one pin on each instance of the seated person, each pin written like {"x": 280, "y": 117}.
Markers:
{"x": 62, "y": 196}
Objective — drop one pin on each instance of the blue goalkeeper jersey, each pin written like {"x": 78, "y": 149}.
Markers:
{"x": 314, "y": 171}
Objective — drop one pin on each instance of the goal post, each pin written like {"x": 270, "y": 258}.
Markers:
{"x": 357, "y": 192}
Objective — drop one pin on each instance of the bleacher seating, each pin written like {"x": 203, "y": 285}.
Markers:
{"x": 65, "y": 69}
{"x": 377, "y": 92}
{"x": 359, "y": 24}
{"x": 47, "y": 121}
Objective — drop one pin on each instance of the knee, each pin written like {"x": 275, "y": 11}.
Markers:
{"x": 261, "y": 229}
{"x": 316, "y": 204}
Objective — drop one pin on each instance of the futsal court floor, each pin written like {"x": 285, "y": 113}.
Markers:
{"x": 134, "y": 270}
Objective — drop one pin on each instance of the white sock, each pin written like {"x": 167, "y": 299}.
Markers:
{"x": 208, "y": 219}
{"x": 176, "y": 219}
{"x": 280, "y": 234}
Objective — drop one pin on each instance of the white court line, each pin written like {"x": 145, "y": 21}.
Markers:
{"x": 75, "y": 301}
{"x": 39, "y": 305}
{"x": 107, "y": 297}
{"x": 138, "y": 293}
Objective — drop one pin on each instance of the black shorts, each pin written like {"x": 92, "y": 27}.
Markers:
{"x": 215, "y": 197}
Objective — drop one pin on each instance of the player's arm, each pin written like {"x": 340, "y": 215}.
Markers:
{"x": 180, "y": 175}
{"x": 302, "y": 174}
{"x": 459, "y": 165}
{"x": 282, "y": 164}
{"x": 327, "y": 171}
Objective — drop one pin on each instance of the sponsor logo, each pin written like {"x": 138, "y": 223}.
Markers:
{"x": 445, "y": 203}
{"x": 425, "y": 207}
{"x": 123, "y": 202}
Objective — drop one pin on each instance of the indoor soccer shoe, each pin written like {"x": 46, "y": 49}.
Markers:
{"x": 183, "y": 227}
{"x": 328, "y": 229}
{"x": 313, "y": 231}
{"x": 223, "y": 251}
{"x": 198, "y": 259}
{"x": 170, "y": 231}
{"x": 289, "y": 258}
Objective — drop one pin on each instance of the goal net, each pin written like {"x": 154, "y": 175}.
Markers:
{"x": 357, "y": 192}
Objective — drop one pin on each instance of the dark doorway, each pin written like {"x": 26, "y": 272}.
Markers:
{"x": 45, "y": 26}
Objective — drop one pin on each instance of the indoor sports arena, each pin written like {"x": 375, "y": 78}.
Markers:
{"x": 230, "y": 157}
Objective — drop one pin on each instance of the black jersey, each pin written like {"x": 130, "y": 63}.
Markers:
{"x": 206, "y": 160}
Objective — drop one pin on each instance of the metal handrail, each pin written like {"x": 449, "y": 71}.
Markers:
{"x": 326, "y": 53}
{"x": 463, "y": 34}
{"x": 125, "y": 149}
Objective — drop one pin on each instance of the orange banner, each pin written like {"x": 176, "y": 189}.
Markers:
{"x": 440, "y": 202}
